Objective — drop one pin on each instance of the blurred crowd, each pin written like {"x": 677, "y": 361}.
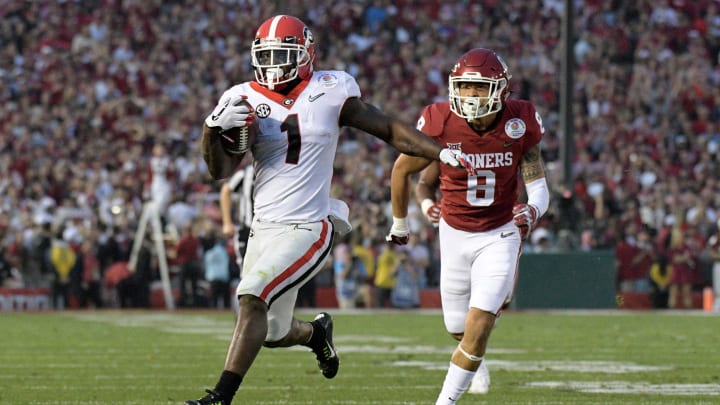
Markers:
{"x": 89, "y": 87}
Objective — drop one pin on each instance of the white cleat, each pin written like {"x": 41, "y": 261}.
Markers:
{"x": 481, "y": 381}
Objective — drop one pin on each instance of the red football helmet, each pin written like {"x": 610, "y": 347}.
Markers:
{"x": 481, "y": 66}
{"x": 283, "y": 49}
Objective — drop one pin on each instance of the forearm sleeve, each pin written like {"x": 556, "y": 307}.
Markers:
{"x": 538, "y": 195}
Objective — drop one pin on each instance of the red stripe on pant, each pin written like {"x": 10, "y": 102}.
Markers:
{"x": 300, "y": 263}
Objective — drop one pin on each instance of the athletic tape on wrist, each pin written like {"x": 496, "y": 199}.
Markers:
{"x": 426, "y": 204}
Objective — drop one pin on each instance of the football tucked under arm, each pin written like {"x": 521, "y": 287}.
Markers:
{"x": 237, "y": 124}
{"x": 238, "y": 140}
{"x": 224, "y": 142}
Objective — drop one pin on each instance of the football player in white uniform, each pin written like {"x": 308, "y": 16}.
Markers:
{"x": 298, "y": 113}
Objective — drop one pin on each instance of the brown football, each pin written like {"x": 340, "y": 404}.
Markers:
{"x": 238, "y": 140}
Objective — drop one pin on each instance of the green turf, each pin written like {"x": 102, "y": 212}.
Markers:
{"x": 386, "y": 358}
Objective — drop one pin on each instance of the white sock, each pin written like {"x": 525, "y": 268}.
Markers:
{"x": 456, "y": 382}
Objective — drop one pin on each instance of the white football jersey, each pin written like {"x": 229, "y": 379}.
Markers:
{"x": 295, "y": 146}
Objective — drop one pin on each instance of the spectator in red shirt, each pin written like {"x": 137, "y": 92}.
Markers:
{"x": 683, "y": 269}
{"x": 634, "y": 256}
{"x": 187, "y": 255}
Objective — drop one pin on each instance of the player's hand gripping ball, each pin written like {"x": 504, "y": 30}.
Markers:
{"x": 238, "y": 140}
{"x": 238, "y": 124}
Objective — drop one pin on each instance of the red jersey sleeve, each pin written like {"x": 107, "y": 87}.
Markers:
{"x": 535, "y": 128}
{"x": 432, "y": 120}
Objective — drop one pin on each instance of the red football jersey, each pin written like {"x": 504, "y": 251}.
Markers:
{"x": 484, "y": 201}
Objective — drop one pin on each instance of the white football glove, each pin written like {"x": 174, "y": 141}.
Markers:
{"x": 525, "y": 217}
{"x": 399, "y": 232}
{"x": 455, "y": 159}
{"x": 227, "y": 114}
{"x": 431, "y": 209}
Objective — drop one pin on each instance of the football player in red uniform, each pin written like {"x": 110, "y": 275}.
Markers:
{"x": 481, "y": 227}
{"x": 297, "y": 113}
{"x": 428, "y": 198}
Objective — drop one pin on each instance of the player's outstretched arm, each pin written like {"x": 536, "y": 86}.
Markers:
{"x": 405, "y": 138}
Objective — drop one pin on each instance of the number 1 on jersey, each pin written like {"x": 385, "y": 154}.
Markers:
{"x": 290, "y": 125}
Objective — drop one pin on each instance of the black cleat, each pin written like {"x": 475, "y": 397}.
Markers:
{"x": 212, "y": 398}
{"x": 327, "y": 357}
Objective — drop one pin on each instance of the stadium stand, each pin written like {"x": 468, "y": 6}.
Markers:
{"x": 87, "y": 87}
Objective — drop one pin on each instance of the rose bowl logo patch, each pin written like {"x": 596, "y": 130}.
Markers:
{"x": 327, "y": 80}
{"x": 515, "y": 128}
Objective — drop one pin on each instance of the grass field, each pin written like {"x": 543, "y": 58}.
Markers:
{"x": 111, "y": 357}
